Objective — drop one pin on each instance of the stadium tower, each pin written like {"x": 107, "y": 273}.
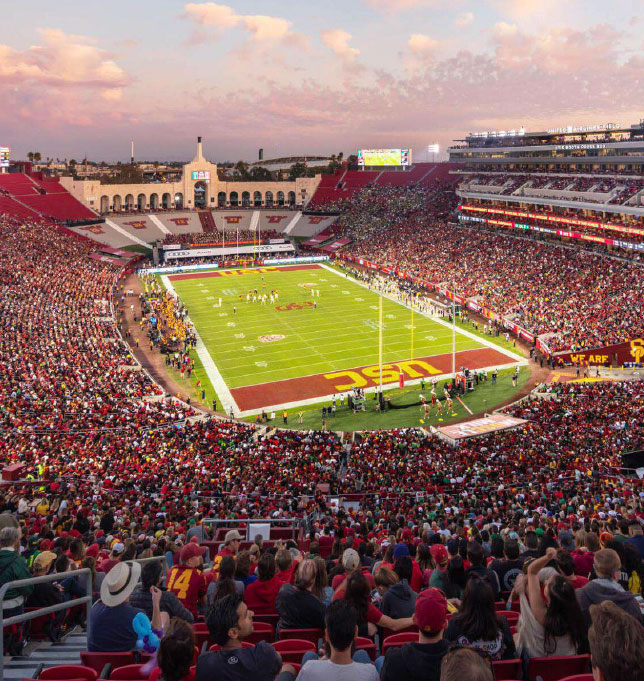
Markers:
{"x": 574, "y": 183}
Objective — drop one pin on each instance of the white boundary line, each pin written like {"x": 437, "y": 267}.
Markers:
{"x": 159, "y": 224}
{"x": 226, "y": 397}
{"x": 218, "y": 383}
{"x": 292, "y": 223}
{"x": 131, "y": 237}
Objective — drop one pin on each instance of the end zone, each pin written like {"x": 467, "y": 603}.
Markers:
{"x": 296, "y": 392}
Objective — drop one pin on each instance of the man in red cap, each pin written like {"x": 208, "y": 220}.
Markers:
{"x": 420, "y": 661}
{"x": 186, "y": 580}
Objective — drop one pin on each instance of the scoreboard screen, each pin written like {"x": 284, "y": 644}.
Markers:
{"x": 384, "y": 157}
{"x": 4, "y": 157}
{"x": 201, "y": 175}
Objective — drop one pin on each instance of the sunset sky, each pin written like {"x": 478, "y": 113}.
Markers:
{"x": 307, "y": 77}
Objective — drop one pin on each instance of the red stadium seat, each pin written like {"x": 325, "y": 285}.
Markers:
{"x": 98, "y": 660}
{"x": 129, "y": 671}
{"x": 262, "y": 631}
{"x": 366, "y": 644}
{"x": 69, "y": 671}
{"x": 579, "y": 677}
{"x": 293, "y": 649}
{"x": 507, "y": 669}
{"x": 511, "y": 616}
{"x": 272, "y": 619}
{"x": 313, "y": 635}
{"x": 397, "y": 640}
{"x": 556, "y": 668}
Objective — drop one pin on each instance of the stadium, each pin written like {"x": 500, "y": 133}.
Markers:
{"x": 274, "y": 419}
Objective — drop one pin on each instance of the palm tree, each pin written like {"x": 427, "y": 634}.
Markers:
{"x": 30, "y": 156}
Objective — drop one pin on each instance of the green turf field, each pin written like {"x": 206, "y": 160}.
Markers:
{"x": 341, "y": 333}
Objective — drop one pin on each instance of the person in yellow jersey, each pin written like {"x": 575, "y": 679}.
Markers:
{"x": 186, "y": 581}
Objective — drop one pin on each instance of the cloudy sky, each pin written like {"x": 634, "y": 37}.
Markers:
{"x": 308, "y": 77}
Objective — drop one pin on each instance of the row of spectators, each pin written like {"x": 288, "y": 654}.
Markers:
{"x": 230, "y": 235}
{"x": 627, "y": 188}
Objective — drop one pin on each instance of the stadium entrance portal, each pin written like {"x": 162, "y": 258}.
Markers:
{"x": 201, "y": 195}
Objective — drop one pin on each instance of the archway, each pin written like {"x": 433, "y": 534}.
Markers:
{"x": 166, "y": 201}
{"x": 154, "y": 201}
{"x": 245, "y": 199}
{"x": 116, "y": 203}
{"x": 129, "y": 202}
{"x": 200, "y": 194}
{"x": 291, "y": 198}
{"x": 105, "y": 204}
{"x": 257, "y": 199}
{"x": 280, "y": 198}
{"x": 234, "y": 198}
{"x": 178, "y": 200}
{"x": 269, "y": 199}
{"x": 140, "y": 201}
{"x": 221, "y": 199}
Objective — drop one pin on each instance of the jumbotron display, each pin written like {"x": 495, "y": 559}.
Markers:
{"x": 4, "y": 157}
{"x": 384, "y": 157}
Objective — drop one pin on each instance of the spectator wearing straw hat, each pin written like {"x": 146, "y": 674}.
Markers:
{"x": 111, "y": 617}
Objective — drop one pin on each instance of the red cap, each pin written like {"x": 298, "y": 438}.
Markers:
{"x": 439, "y": 554}
{"x": 431, "y": 610}
{"x": 191, "y": 550}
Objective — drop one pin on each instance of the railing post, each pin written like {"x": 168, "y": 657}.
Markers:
{"x": 2, "y": 642}
{"x": 88, "y": 606}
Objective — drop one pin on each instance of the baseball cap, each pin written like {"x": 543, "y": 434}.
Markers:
{"x": 350, "y": 559}
{"x": 430, "y": 610}
{"x": 191, "y": 550}
{"x": 400, "y": 550}
{"x": 118, "y": 548}
{"x": 231, "y": 535}
{"x": 439, "y": 553}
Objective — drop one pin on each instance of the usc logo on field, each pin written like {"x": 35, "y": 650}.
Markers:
{"x": 637, "y": 349}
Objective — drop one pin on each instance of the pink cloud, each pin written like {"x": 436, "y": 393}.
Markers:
{"x": 464, "y": 19}
{"x": 62, "y": 61}
{"x": 422, "y": 45}
{"x": 337, "y": 40}
{"x": 261, "y": 29}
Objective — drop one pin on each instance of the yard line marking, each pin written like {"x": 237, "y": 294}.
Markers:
{"x": 218, "y": 383}
{"x": 518, "y": 358}
{"x": 469, "y": 411}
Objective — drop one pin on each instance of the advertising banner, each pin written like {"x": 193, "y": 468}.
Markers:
{"x": 630, "y": 352}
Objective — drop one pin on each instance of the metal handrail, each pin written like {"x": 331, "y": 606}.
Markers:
{"x": 65, "y": 605}
{"x": 57, "y": 577}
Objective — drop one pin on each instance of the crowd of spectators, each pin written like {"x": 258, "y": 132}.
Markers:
{"x": 229, "y": 236}
{"x": 115, "y": 471}
{"x": 585, "y": 299}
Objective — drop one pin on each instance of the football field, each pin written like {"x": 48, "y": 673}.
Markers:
{"x": 320, "y": 336}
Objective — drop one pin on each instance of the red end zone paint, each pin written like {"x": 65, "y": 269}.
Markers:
{"x": 235, "y": 273}
{"x": 309, "y": 387}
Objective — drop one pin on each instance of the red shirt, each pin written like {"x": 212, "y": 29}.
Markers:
{"x": 260, "y": 596}
{"x": 188, "y": 585}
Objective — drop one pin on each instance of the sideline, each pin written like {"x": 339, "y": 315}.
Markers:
{"x": 213, "y": 373}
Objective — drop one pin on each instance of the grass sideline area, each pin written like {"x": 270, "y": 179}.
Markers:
{"x": 339, "y": 333}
